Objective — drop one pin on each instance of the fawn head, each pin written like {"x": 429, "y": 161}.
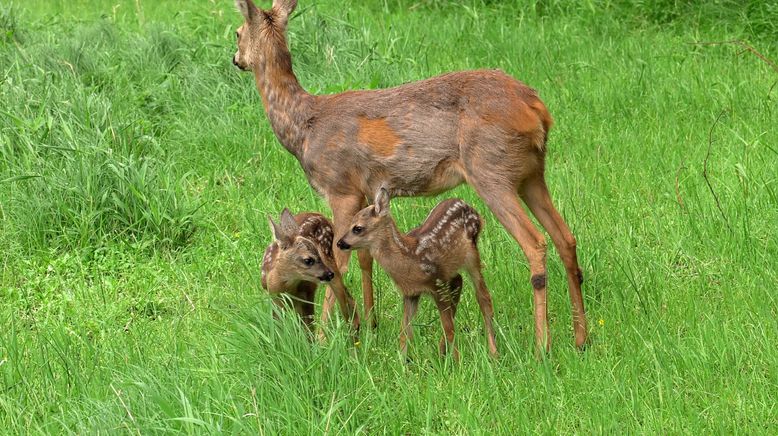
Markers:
{"x": 262, "y": 32}
{"x": 369, "y": 225}
{"x": 298, "y": 258}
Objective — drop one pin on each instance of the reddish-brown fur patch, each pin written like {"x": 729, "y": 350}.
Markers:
{"x": 376, "y": 134}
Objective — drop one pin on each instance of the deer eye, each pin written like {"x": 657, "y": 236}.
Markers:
{"x": 237, "y": 35}
{"x": 357, "y": 230}
{"x": 309, "y": 261}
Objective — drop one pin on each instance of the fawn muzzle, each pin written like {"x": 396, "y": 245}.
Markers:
{"x": 327, "y": 276}
{"x": 343, "y": 245}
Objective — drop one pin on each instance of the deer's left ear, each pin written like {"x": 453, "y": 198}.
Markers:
{"x": 381, "y": 202}
{"x": 283, "y": 9}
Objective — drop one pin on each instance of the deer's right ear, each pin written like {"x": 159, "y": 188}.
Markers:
{"x": 288, "y": 224}
{"x": 278, "y": 234}
{"x": 381, "y": 202}
{"x": 247, "y": 8}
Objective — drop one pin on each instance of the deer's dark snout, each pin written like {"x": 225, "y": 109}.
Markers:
{"x": 343, "y": 245}
{"x": 235, "y": 62}
{"x": 329, "y": 275}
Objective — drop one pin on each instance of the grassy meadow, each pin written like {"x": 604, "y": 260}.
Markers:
{"x": 137, "y": 169}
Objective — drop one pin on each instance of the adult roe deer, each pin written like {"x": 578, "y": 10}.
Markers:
{"x": 426, "y": 260}
{"x": 481, "y": 127}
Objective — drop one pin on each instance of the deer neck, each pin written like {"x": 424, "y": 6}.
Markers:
{"x": 277, "y": 283}
{"x": 287, "y": 104}
{"x": 395, "y": 251}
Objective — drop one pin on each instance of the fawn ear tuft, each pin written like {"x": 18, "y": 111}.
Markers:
{"x": 381, "y": 202}
{"x": 247, "y": 8}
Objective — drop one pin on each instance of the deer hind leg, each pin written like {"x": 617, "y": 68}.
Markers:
{"x": 410, "y": 306}
{"x": 484, "y": 301}
{"x": 535, "y": 194}
{"x": 343, "y": 209}
{"x": 504, "y": 203}
{"x": 452, "y": 294}
{"x": 446, "y": 310}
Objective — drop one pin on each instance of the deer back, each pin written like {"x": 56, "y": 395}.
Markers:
{"x": 451, "y": 227}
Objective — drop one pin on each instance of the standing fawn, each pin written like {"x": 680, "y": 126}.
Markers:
{"x": 480, "y": 127}
{"x": 298, "y": 259}
{"x": 426, "y": 260}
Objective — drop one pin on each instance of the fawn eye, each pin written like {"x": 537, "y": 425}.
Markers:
{"x": 309, "y": 261}
{"x": 357, "y": 230}
{"x": 237, "y": 35}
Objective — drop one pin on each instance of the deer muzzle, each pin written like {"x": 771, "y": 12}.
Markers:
{"x": 327, "y": 276}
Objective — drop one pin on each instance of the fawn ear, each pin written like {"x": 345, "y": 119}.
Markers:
{"x": 288, "y": 224}
{"x": 247, "y": 8}
{"x": 280, "y": 234}
{"x": 381, "y": 202}
{"x": 275, "y": 229}
{"x": 283, "y": 9}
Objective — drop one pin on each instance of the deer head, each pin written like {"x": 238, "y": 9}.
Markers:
{"x": 298, "y": 259}
{"x": 370, "y": 225}
{"x": 262, "y": 33}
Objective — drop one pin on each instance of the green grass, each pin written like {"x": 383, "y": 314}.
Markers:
{"x": 138, "y": 169}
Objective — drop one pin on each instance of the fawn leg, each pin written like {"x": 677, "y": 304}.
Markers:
{"x": 410, "y": 306}
{"x": 535, "y": 194}
{"x": 454, "y": 292}
{"x": 446, "y": 310}
{"x": 303, "y": 305}
{"x": 484, "y": 301}
{"x": 504, "y": 203}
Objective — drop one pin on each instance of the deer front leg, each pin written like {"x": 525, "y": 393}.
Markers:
{"x": 343, "y": 209}
{"x": 366, "y": 268}
{"x": 348, "y": 307}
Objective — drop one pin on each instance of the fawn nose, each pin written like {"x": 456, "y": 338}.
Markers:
{"x": 342, "y": 245}
{"x": 329, "y": 275}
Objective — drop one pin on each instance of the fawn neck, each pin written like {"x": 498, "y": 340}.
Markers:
{"x": 287, "y": 104}
{"x": 394, "y": 251}
{"x": 276, "y": 282}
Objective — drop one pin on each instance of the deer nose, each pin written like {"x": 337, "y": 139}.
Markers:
{"x": 234, "y": 62}
{"x": 342, "y": 245}
{"x": 329, "y": 275}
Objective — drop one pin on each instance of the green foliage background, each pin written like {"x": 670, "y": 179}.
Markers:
{"x": 137, "y": 169}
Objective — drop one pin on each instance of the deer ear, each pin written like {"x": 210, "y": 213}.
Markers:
{"x": 278, "y": 234}
{"x": 381, "y": 202}
{"x": 284, "y": 9}
{"x": 288, "y": 224}
{"x": 247, "y": 8}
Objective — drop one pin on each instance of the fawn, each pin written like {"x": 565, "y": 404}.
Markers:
{"x": 481, "y": 127}
{"x": 426, "y": 260}
{"x": 298, "y": 259}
